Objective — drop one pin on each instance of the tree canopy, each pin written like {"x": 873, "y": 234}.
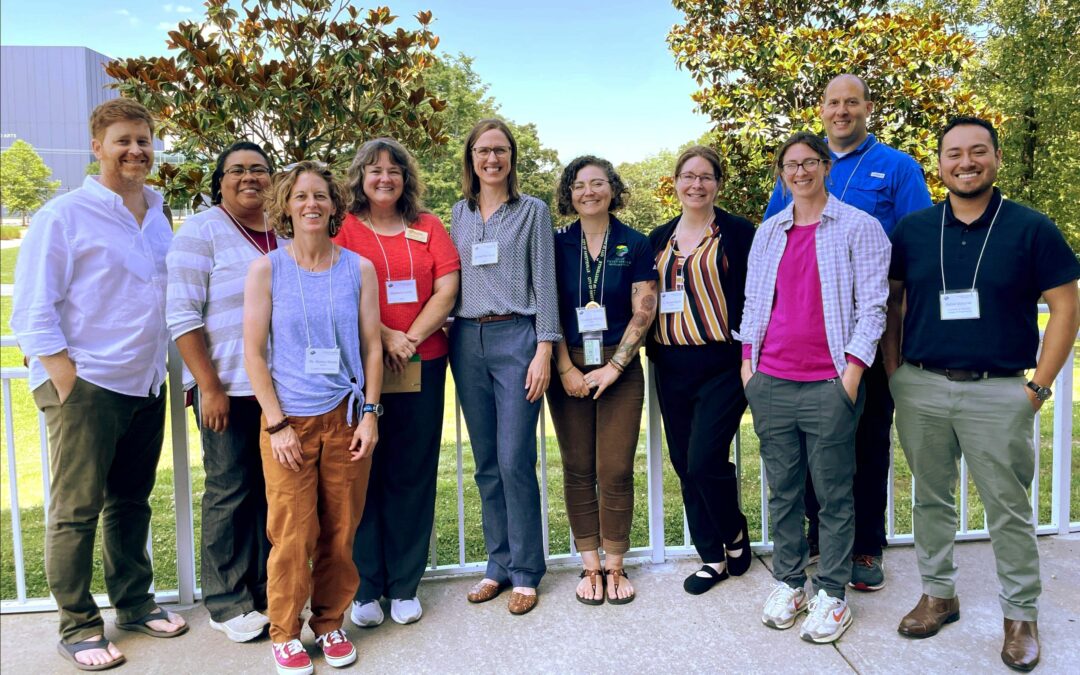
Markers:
{"x": 306, "y": 80}
{"x": 762, "y": 66}
{"x": 24, "y": 180}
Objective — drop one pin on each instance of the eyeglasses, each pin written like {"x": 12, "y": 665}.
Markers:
{"x": 256, "y": 170}
{"x": 500, "y": 152}
{"x": 691, "y": 178}
{"x": 594, "y": 184}
{"x": 808, "y": 165}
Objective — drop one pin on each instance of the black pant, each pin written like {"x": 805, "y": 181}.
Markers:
{"x": 702, "y": 403}
{"x": 234, "y": 543}
{"x": 391, "y": 545}
{"x": 871, "y": 484}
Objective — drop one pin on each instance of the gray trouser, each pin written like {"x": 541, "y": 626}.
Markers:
{"x": 800, "y": 424}
{"x": 989, "y": 422}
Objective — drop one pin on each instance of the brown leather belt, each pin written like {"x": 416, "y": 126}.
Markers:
{"x": 960, "y": 375}
{"x": 492, "y": 318}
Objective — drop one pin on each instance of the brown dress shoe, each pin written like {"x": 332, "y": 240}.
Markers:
{"x": 1021, "y": 648}
{"x": 482, "y": 592}
{"x": 521, "y": 603}
{"x": 929, "y": 616}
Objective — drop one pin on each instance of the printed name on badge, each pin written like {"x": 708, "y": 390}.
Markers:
{"x": 485, "y": 253}
{"x": 959, "y": 305}
{"x": 322, "y": 361}
{"x": 671, "y": 302}
{"x": 402, "y": 291}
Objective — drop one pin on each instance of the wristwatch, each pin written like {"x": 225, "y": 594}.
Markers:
{"x": 1041, "y": 393}
{"x": 372, "y": 408}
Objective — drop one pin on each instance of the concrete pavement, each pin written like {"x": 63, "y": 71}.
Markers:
{"x": 663, "y": 630}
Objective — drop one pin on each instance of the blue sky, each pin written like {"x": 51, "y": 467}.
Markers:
{"x": 594, "y": 76}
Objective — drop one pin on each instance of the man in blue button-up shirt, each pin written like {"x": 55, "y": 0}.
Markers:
{"x": 887, "y": 184}
{"x": 89, "y": 313}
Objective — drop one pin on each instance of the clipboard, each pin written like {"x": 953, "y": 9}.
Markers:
{"x": 405, "y": 382}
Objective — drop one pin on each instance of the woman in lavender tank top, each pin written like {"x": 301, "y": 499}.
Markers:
{"x": 318, "y": 305}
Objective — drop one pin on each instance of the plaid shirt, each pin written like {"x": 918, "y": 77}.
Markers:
{"x": 853, "y": 262}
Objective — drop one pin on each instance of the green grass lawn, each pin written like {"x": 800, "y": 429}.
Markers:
{"x": 7, "y": 269}
{"x": 30, "y": 488}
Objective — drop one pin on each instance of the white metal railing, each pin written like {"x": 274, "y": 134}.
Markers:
{"x": 656, "y": 550}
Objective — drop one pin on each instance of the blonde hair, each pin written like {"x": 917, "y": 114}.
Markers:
{"x": 277, "y": 202}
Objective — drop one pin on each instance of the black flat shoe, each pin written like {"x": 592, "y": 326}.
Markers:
{"x": 737, "y": 565}
{"x": 696, "y": 585}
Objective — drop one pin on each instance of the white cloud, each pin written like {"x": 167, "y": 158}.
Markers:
{"x": 183, "y": 9}
{"x": 168, "y": 8}
{"x": 131, "y": 18}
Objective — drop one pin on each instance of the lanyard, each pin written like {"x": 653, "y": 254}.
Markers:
{"x": 412, "y": 274}
{"x": 852, "y": 174}
{"x": 601, "y": 270}
{"x": 680, "y": 267}
{"x": 303, "y": 303}
{"x": 941, "y": 244}
{"x": 247, "y": 235}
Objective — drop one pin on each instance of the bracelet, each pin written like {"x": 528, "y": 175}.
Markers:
{"x": 616, "y": 365}
{"x": 273, "y": 429}
{"x": 568, "y": 369}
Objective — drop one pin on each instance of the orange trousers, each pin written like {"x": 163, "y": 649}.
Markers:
{"x": 312, "y": 516}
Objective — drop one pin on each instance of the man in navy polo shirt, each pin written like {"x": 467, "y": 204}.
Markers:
{"x": 972, "y": 269}
{"x": 887, "y": 184}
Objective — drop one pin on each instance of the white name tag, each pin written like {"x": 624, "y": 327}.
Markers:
{"x": 672, "y": 302}
{"x": 593, "y": 350}
{"x": 485, "y": 253}
{"x": 591, "y": 319}
{"x": 959, "y": 305}
{"x": 399, "y": 292}
{"x": 325, "y": 361}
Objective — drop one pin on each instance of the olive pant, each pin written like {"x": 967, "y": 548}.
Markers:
{"x": 104, "y": 449}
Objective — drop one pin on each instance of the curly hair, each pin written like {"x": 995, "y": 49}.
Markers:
{"x": 277, "y": 202}
{"x": 219, "y": 168}
{"x": 619, "y": 191}
{"x": 470, "y": 182}
{"x": 410, "y": 205}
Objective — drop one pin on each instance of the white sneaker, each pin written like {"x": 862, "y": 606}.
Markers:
{"x": 367, "y": 614}
{"x": 783, "y": 605}
{"x": 406, "y": 611}
{"x": 242, "y": 627}
{"x": 828, "y": 619}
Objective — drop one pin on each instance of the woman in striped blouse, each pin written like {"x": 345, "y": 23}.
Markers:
{"x": 701, "y": 259}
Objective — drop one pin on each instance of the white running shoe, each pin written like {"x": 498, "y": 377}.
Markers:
{"x": 784, "y": 604}
{"x": 406, "y": 611}
{"x": 242, "y": 627}
{"x": 828, "y": 619}
{"x": 367, "y": 614}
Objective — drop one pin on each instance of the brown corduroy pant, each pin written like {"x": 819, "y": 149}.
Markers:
{"x": 312, "y": 515}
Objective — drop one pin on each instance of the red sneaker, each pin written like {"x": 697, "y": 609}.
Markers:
{"x": 337, "y": 649}
{"x": 292, "y": 658}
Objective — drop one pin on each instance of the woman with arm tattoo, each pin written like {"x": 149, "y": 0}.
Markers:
{"x": 607, "y": 301}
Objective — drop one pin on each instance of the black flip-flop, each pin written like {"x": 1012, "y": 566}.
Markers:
{"x": 696, "y": 585}
{"x": 139, "y": 625}
{"x": 68, "y": 651}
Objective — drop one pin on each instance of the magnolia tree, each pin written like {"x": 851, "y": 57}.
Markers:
{"x": 763, "y": 64}
{"x": 310, "y": 79}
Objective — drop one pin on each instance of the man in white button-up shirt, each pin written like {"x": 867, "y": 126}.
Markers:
{"x": 89, "y": 312}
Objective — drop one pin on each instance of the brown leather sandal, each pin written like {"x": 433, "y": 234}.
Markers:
{"x": 592, "y": 574}
{"x": 615, "y": 573}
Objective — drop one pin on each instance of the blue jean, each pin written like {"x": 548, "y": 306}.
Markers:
{"x": 489, "y": 364}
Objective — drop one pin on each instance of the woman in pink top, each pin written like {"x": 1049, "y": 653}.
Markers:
{"x": 815, "y": 308}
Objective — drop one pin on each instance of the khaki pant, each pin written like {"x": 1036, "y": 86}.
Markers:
{"x": 104, "y": 449}
{"x": 989, "y": 422}
{"x": 311, "y": 519}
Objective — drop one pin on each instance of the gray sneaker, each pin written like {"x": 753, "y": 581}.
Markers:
{"x": 367, "y": 614}
{"x": 243, "y": 627}
{"x": 867, "y": 572}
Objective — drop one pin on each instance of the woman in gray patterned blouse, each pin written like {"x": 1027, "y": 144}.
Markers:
{"x": 506, "y": 320}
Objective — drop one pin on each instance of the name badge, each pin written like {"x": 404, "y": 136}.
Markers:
{"x": 400, "y": 292}
{"x": 416, "y": 235}
{"x": 485, "y": 253}
{"x": 324, "y": 361}
{"x": 136, "y": 263}
{"x": 593, "y": 348}
{"x": 672, "y": 302}
{"x": 959, "y": 305}
{"x": 591, "y": 319}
